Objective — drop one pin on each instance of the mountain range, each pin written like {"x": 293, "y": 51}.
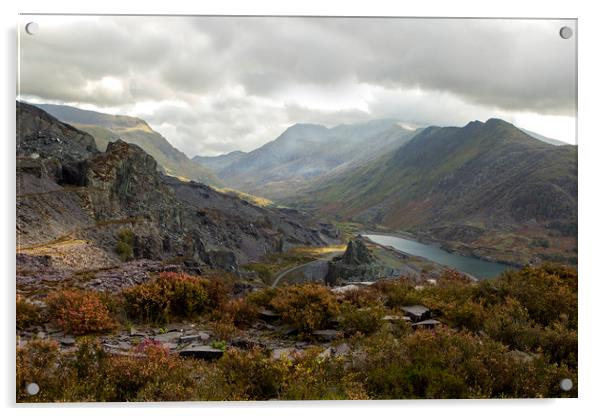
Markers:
{"x": 487, "y": 189}
{"x": 490, "y": 190}
{"x": 306, "y": 152}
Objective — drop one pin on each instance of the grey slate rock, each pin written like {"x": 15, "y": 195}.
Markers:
{"x": 202, "y": 352}
{"x": 201, "y": 336}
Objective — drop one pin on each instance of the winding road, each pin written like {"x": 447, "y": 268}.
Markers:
{"x": 324, "y": 259}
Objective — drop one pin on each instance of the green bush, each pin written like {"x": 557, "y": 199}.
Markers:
{"x": 125, "y": 243}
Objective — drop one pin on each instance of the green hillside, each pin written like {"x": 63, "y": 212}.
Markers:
{"x": 486, "y": 184}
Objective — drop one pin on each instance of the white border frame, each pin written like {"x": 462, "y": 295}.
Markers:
{"x": 590, "y": 34}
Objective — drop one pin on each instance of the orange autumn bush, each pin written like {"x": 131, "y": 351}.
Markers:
{"x": 79, "y": 312}
{"x": 240, "y": 312}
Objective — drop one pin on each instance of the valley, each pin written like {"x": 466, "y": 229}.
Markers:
{"x": 245, "y": 285}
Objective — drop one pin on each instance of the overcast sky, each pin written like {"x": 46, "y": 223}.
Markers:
{"x": 211, "y": 85}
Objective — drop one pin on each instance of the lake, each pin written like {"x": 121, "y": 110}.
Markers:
{"x": 478, "y": 268}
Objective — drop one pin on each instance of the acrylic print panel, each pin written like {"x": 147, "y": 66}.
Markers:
{"x": 257, "y": 208}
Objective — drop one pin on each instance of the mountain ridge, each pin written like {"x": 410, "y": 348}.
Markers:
{"x": 484, "y": 178}
{"x": 303, "y": 152}
{"x": 108, "y": 128}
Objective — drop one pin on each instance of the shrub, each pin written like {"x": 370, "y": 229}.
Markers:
{"x": 400, "y": 292}
{"x": 312, "y": 376}
{"x": 219, "y": 345}
{"x": 79, "y": 312}
{"x": 547, "y": 292}
{"x": 218, "y": 288}
{"x": 308, "y": 306}
{"x": 224, "y": 329}
{"x": 89, "y": 374}
{"x": 364, "y": 297}
{"x": 27, "y": 313}
{"x": 262, "y": 297}
{"x": 464, "y": 314}
{"x": 360, "y": 320}
{"x": 240, "y": 312}
{"x": 36, "y": 362}
{"x": 169, "y": 295}
{"x": 509, "y": 323}
{"x": 125, "y": 243}
{"x": 446, "y": 364}
{"x": 251, "y": 375}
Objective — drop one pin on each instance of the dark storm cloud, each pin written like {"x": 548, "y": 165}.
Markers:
{"x": 225, "y": 65}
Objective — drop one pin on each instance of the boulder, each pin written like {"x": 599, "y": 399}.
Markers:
{"x": 202, "y": 352}
{"x": 201, "y": 336}
{"x": 417, "y": 312}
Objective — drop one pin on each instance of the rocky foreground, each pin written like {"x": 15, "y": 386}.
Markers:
{"x": 182, "y": 337}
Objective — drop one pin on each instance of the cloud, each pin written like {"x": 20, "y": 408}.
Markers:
{"x": 237, "y": 81}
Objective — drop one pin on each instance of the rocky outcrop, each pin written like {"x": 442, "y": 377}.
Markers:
{"x": 121, "y": 190}
{"x": 356, "y": 253}
{"x": 48, "y": 148}
{"x": 41, "y": 135}
{"x": 356, "y": 264}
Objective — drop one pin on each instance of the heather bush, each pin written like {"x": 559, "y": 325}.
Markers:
{"x": 150, "y": 373}
{"x": 251, "y": 375}
{"x": 312, "y": 376}
{"x": 28, "y": 314}
{"x": 546, "y": 292}
{"x": 364, "y": 297}
{"x": 156, "y": 375}
{"x": 168, "y": 296}
{"x": 398, "y": 292}
{"x": 262, "y": 297}
{"x": 463, "y": 314}
{"x": 365, "y": 321}
{"x": 38, "y": 362}
{"x": 225, "y": 329}
{"x": 240, "y": 312}
{"x": 218, "y": 288}
{"x": 446, "y": 364}
{"x": 308, "y": 306}
{"x": 498, "y": 340}
{"x": 79, "y": 312}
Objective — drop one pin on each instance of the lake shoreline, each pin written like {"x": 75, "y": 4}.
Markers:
{"x": 443, "y": 245}
{"x": 472, "y": 266}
